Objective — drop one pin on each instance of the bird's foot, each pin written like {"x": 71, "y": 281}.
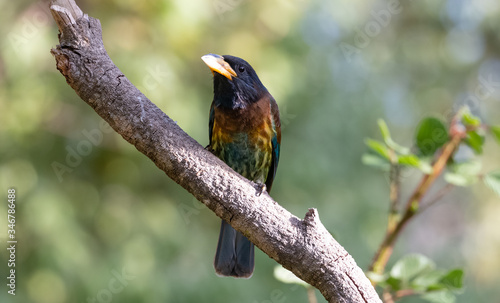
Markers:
{"x": 209, "y": 148}
{"x": 260, "y": 188}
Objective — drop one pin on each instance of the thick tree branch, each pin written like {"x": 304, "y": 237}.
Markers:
{"x": 303, "y": 246}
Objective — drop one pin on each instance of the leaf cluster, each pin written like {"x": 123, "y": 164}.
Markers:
{"x": 415, "y": 274}
{"x": 430, "y": 136}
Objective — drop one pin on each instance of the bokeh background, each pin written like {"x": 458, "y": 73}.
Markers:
{"x": 334, "y": 67}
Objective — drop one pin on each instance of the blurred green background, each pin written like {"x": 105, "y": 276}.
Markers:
{"x": 334, "y": 67}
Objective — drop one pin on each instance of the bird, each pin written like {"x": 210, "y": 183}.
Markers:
{"x": 245, "y": 133}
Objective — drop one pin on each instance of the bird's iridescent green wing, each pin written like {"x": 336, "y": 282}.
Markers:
{"x": 276, "y": 142}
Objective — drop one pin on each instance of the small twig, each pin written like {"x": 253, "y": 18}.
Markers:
{"x": 387, "y": 296}
{"x": 437, "y": 197}
{"x": 394, "y": 188}
{"x": 311, "y": 296}
{"x": 404, "y": 293}
{"x": 393, "y": 196}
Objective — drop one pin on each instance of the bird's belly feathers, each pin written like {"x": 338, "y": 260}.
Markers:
{"x": 248, "y": 156}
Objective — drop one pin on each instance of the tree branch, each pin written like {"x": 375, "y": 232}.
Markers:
{"x": 303, "y": 246}
{"x": 413, "y": 205}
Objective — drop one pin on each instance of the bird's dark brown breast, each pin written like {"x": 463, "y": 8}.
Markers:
{"x": 242, "y": 138}
{"x": 254, "y": 120}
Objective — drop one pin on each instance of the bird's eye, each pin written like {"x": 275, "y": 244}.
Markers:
{"x": 241, "y": 68}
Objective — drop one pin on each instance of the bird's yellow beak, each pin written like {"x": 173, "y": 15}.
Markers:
{"x": 217, "y": 64}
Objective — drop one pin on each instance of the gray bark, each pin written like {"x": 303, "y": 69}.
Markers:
{"x": 303, "y": 246}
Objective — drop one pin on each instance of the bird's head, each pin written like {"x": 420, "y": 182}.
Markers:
{"x": 236, "y": 83}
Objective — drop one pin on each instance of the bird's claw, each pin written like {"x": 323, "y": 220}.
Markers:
{"x": 260, "y": 188}
{"x": 209, "y": 148}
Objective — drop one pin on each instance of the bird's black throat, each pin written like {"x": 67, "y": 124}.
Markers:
{"x": 236, "y": 93}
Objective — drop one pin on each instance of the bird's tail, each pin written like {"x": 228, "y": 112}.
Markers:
{"x": 235, "y": 253}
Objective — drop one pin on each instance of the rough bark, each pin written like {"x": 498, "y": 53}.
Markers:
{"x": 303, "y": 246}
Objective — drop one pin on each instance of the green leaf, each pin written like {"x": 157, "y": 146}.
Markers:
{"x": 431, "y": 135}
{"x": 427, "y": 280}
{"x": 470, "y": 168}
{"x": 463, "y": 173}
{"x": 441, "y": 296}
{"x": 495, "y": 130}
{"x": 398, "y": 148}
{"x": 386, "y": 135}
{"x": 475, "y": 141}
{"x": 436, "y": 287}
{"x": 470, "y": 120}
{"x": 394, "y": 284}
{"x": 409, "y": 160}
{"x": 410, "y": 266}
{"x": 384, "y": 130}
{"x": 492, "y": 180}
{"x": 453, "y": 279}
{"x": 460, "y": 180}
{"x": 376, "y": 161}
{"x": 425, "y": 167}
{"x": 414, "y": 161}
{"x": 286, "y": 276}
{"x": 378, "y": 147}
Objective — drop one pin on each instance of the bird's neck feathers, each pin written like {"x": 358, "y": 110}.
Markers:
{"x": 236, "y": 94}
